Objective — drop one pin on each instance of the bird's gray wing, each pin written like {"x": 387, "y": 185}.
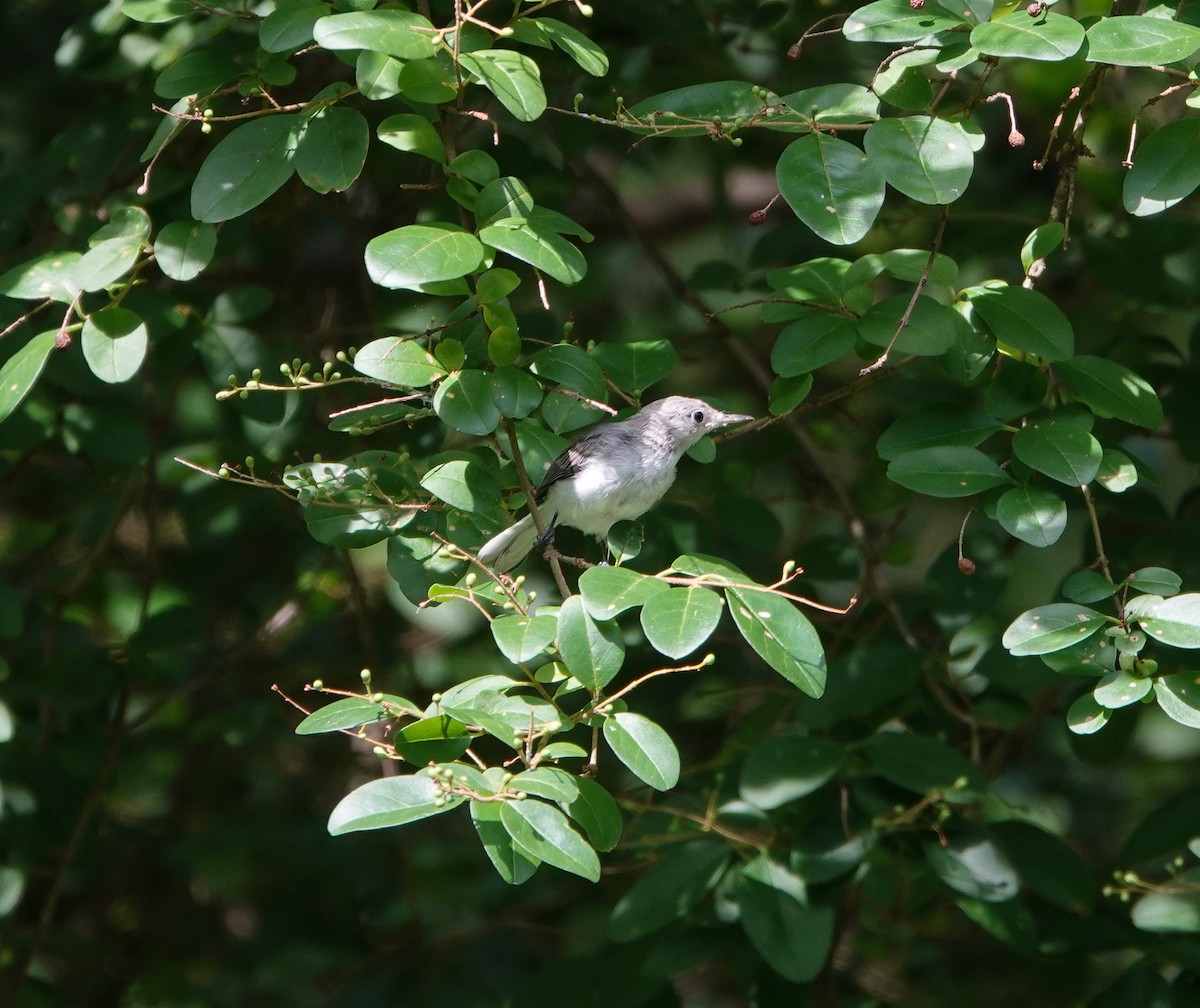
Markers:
{"x": 568, "y": 463}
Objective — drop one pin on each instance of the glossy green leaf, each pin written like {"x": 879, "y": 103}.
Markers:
{"x": 47, "y": 276}
{"x": 512, "y": 77}
{"x": 349, "y": 712}
{"x": 787, "y": 767}
{"x": 931, "y": 328}
{"x": 1035, "y": 516}
{"x": 637, "y": 365}
{"x": 516, "y": 393}
{"x": 811, "y": 342}
{"x": 644, "y": 748}
{"x": 1049, "y": 37}
{"x": 464, "y": 484}
{"x": 389, "y": 801}
{"x": 429, "y": 80}
{"x": 972, "y": 864}
{"x": 1174, "y": 621}
{"x": 22, "y": 370}
{"x": 105, "y": 263}
{"x": 543, "y": 831}
{"x": 679, "y": 620}
{"x": 332, "y": 149}
{"x": 1051, "y": 628}
{"x": 1061, "y": 449}
{"x": 928, "y": 159}
{"x": 184, "y": 248}
{"x": 690, "y": 110}
{"x": 835, "y": 104}
{"x": 435, "y": 739}
{"x": 1086, "y": 717}
{"x": 1117, "y": 471}
{"x": 156, "y": 11}
{"x": 949, "y": 471}
{"x": 410, "y": 132}
{"x": 465, "y": 402}
{"x": 248, "y": 166}
{"x": 529, "y": 240}
{"x": 1167, "y": 913}
{"x": 832, "y": 186}
{"x": 566, "y": 365}
{"x": 609, "y": 591}
{"x": 1166, "y": 168}
{"x": 419, "y": 254}
{"x": 1140, "y": 41}
{"x": 546, "y": 782}
{"x": 1118, "y": 689}
{"x": 1111, "y": 390}
{"x": 793, "y": 937}
{"x": 781, "y": 635}
{"x": 923, "y": 764}
{"x": 935, "y": 424}
{"x": 377, "y": 76}
{"x": 898, "y": 21}
{"x": 1025, "y": 320}
{"x": 512, "y": 862}
{"x": 290, "y": 26}
{"x": 195, "y": 73}
{"x": 520, "y": 638}
{"x": 1179, "y": 697}
{"x": 1041, "y": 241}
{"x": 593, "y": 650}
{"x": 787, "y": 393}
{"x": 398, "y": 33}
{"x": 401, "y": 362}
{"x": 1088, "y": 586}
{"x": 1155, "y": 580}
{"x": 587, "y": 54}
{"x": 114, "y": 343}
{"x": 668, "y": 890}
{"x": 595, "y": 810}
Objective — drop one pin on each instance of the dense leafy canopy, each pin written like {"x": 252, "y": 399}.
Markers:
{"x": 894, "y": 699}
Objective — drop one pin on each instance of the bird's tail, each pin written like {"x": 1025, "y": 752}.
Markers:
{"x": 508, "y": 548}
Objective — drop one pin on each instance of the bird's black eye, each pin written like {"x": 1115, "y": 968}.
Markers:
{"x": 698, "y": 416}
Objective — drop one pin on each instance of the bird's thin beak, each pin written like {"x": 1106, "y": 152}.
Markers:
{"x": 728, "y": 419}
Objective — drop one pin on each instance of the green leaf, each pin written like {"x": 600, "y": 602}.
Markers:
{"x": 695, "y": 103}
{"x": 517, "y": 393}
{"x": 547, "y": 782}
{"x": 644, "y": 748}
{"x": 836, "y": 104}
{"x": 512, "y": 77}
{"x": 245, "y": 168}
{"x": 290, "y": 26}
{"x": 414, "y": 133}
{"x": 1155, "y": 580}
{"x": 793, "y": 937}
{"x": 832, "y": 186}
{"x": 433, "y": 739}
{"x": 48, "y": 276}
{"x": 400, "y": 362}
{"x": 1111, "y": 390}
{"x": 781, "y": 635}
{"x": 1166, "y": 168}
{"x": 520, "y": 638}
{"x": 1037, "y": 517}
{"x": 817, "y": 339}
{"x": 787, "y": 767}
{"x": 586, "y": 53}
{"x": 513, "y": 863}
{"x": 398, "y": 33}
{"x": 1047, "y": 865}
{"x": 1041, "y": 241}
{"x": 389, "y": 801}
{"x": 1118, "y": 689}
{"x": 593, "y": 650}
{"x": 1051, "y": 628}
{"x": 928, "y": 159}
{"x": 114, "y": 343}
{"x": 1174, "y": 621}
{"x": 787, "y": 393}
{"x": 464, "y": 484}
{"x": 923, "y": 764}
{"x": 543, "y": 831}
{"x": 1049, "y": 37}
{"x": 668, "y": 890}
{"x": 679, "y": 620}
{"x": 1061, "y": 449}
{"x": 1117, "y": 471}
{"x": 332, "y": 149}
{"x": 349, "y": 712}
{"x": 1179, "y": 697}
{"x": 898, "y": 21}
{"x": 377, "y": 76}
{"x": 609, "y": 591}
{"x": 566, "y": 365}
{"x": 596, "y": 811}
{"x": 419, "y": 254}
{"x": 1086, "y": 717}
{"x": 195, "y": 73}
{"x": 1088, "y": 586}
{"x": 106, "y": 262}
{"x": 465, "y": 402}
{"x": 637, "y": 365}
{"x": 972, "y": 864}
{"x": 950, "y": 471}
{"x": 184, "y": 248}
{"x": 23, "y": 369}
{"x": 430, "y": 81}
{"x": 531, "y": 241}
{"x": 1140, "y": 41}
{"x": 1167, "y": 913}
{"x": 936, "y": 424}
{"x": 156, "y": 11}
{"x": 931, "y": 327}
{"x": 1025, "y": 320}
{"x": 1015, "y": 389}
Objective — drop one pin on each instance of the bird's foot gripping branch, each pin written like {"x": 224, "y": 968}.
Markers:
{"x": 536, "y": 751}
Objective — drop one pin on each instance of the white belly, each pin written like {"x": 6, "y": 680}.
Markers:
{"x": 601, "y": 495}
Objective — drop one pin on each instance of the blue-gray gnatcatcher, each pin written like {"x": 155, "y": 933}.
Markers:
{"x": 617, "y": 471}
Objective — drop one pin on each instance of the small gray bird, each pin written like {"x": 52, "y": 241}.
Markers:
{"x": 614, "y": 472}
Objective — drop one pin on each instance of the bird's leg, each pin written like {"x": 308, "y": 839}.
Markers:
{"x": 545, "y": 538}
